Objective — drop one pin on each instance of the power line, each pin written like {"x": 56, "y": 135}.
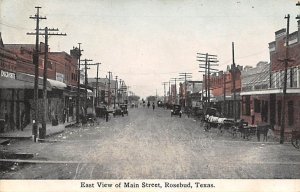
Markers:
{"x": 37, "y": 17}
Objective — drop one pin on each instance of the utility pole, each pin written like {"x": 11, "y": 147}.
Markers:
{"x": 185, "y": 75}
{"x": 175, "y": 79}
{"x": 120, "y": 89}
{"x": 109, "y": 92}
{"x": 224, "y": 92}
{"x": 97, "y": 91}
{"x": 85, "y": 83}
{"x": 164, "y": 84}
{"x": 116, "y": 94}
{"x": 86, "y": 80}
{"x": 233, "y": 72}
{"x": 169, "y": 92}
{"x": 78, "y": 86}
{"x": 36, "y": 74}
{"x": 42, "y": 132}
{"x": 206, "y": 62}
{"x": 286, "y": 60}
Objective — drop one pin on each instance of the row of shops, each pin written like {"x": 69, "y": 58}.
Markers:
{"x": 259, "y": 89}
{"x": 17, "y": 87}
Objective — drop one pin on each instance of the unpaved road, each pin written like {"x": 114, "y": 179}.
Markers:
{"x": 151, "y": 144}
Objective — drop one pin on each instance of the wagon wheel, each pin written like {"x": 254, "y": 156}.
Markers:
{"x": 296, "y": 142}
{"x": 206, "y": 126}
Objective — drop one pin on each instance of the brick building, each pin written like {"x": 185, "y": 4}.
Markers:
{"x": 221, "y": 89}
{"x": 103, "y": 90}
{"x": 266, "y": 101}
{"x": 17, "y": 83}
{"x": 255, "y": 80}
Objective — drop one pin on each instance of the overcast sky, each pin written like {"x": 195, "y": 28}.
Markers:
{"x": 148, "y": 42}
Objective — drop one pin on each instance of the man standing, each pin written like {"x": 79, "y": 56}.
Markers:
{"x": 153, "y": 106}
{"x": 252, "y": 116}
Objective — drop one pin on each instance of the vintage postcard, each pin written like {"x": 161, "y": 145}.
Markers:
{"x": 150, "y": 95}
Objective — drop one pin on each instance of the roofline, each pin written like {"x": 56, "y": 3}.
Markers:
{"x": 271, "y": 91}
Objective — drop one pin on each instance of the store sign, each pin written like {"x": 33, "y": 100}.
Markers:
{"x": 8, "y": 74}
{"x": 60, "y": 77}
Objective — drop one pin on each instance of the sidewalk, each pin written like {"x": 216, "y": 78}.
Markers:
{"x": 27, "y": 132}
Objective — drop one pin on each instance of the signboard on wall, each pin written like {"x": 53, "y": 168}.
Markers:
{"x": 60, "y": 77}
{"x": 7, "y": 74}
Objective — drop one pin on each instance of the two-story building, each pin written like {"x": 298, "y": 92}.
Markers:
{"x": 222, "y": 92}
{"x": 263, "y": 86}
{"x": 17, "y": 84}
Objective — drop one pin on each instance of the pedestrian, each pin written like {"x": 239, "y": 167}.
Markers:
{"x": 153, "y": 106}
{"x": 64, "y": 115}
{"x": 252, "y": 116}
{"x": 148, "y": 104}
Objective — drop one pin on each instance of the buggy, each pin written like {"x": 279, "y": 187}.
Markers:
{"x": 176, "y": 110}
{"x": 124, "y": 109}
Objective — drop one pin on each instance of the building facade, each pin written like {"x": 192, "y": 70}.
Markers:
{"x": 255, "y": 107}
{"x": 17, "y": 84}
{"x": 222, "y": 92}
{"x": 263, "y": 101}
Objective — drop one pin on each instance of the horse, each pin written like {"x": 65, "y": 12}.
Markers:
{"x": 263, "y": 129}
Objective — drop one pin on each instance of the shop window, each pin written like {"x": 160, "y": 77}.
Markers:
{"x": 246, "y": 105}
{"x": 49, "y": 65}
{"x": 290, "y": 113}
{"x": 256, "y": 106}
{"x": 279, "y": 113}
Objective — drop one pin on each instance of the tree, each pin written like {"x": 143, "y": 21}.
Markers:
{"x": 151, "y": 98}
{"x": 133, "y": 98}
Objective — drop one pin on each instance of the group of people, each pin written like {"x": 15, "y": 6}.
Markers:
{"x": 148, "y": 105}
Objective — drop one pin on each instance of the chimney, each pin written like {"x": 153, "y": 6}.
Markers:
{"x": 74, "y": 52}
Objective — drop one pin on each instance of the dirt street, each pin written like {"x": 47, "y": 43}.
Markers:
{"x": 149, "y": 144}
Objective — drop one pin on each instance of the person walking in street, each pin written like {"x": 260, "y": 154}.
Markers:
{"x": 148, "y": 104}
{"x": 153, "y": 106}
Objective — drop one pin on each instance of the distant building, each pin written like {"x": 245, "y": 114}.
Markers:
{"x": 255, "y": 80}
{"x": 221, "y": 91}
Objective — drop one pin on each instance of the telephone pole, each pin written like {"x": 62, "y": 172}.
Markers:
{"x": 176, "y": 79}
{"x": 97, "y": 91}
{"x": 42, "y": 132}
{"x": 233, "y": 72}
{"x": 286, "y": 61}
{"x": 186, "y": 76}
{"x": 175, "y": 94}
{"x": 120, "y": 94}
{"x": 224, "y": 92}
{"x": 206, "y": 62}
{"x": 85, "y": 83}
{"x": 164, "y": 84}
{"x": 109, "y": 91}
{"x": 37, "y": 17}
{"x": 78, "y": 85}
{"x": 116, "y": 94}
